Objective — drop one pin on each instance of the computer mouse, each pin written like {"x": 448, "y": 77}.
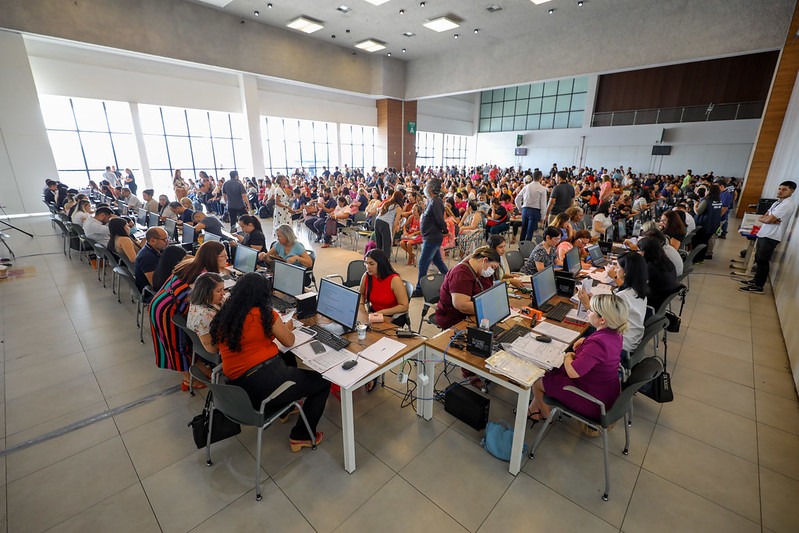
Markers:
{"x": 346, "y": 365}
{"x": 543, "y": 338}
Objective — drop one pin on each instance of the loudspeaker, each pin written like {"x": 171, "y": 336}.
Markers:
{"x": 306, "y": 305}
{"x": 467, "y": 406}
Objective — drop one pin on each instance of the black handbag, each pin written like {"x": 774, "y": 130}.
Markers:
{"x": 224, "y": 428}
{"x": 674, "y": 322}
{"x": 659, "y": 389}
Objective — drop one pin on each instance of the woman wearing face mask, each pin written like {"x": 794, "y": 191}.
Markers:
{"x": 466, "y": 279}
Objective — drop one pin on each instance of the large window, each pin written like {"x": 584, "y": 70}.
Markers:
{"x": 88, "y": 135}
{"x": 540, "y": 106}
{"x": 191, "y": 140}
{"x": 442, "y": 149}
{"x": 358, "y": 146}
{"x": 290, "y": 144}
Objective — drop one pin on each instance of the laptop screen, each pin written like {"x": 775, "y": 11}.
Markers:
{"x": 188, "y": 234}
{"x": 571, "y": 261}
{"x": 544, "y": 287}
{"x": 211, "y": 237}
{"x": 153, "y": 220}
{"x": 171, "y": 226}
{"x": 141, "y": 219}
{"x": 492, "y": 304}
{"x": 596, "y": 253}
{"x": 621, "y": 232}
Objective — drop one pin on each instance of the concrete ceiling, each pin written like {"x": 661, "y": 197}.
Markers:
{"x": 516, "y": 19}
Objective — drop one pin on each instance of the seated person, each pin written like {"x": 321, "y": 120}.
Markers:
{"x": 411, "y": 235}
{"x": 673, "y": 228}
{"x": 337, "y": 219}
{"x": 253, "y": 234}
{"x": 150, "y": 203}
{"x": 209, "y": 223}
{"x": 164, "y": 211}
{"x": 147, "y": 259}
{"x": 470, "y": 228}
{"x": 661, "y": 273}
{"x": 543, "y": 255}
{"x": 121, "y": 243}
{"x": 170, "y": 258}
{"x": 592, "y": 366}
{"x": 82, "y": 211}
{"x": 499, "y": 245}
{"x": 204, "y": 303}
{"x": 498, "y": 218}
{"x": 245, "y": 329}
{"x": 461, "y": 283}
{"x": 287, "y": 248}
{"x": 183, "y": 213}
{"x": 650, "y": 229}
{"x": 96, "y": 227}
{"x": 581, "y": 239}
{"x": 601, "y": 221}
{"x": 382, "y": 289}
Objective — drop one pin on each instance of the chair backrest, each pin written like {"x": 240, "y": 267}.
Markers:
{"x": 686, "y": 242}
{"x": 431, "y": 287}
{"x": 409, "y": 288}
{"x": 105, "y": 253}
{"x": 526, "y": 248}
{"x": 197, "y": 345}
{"x": 692, "y": 254}
{"x": 355, "y": 271}
{"x": 661, "y": 311}
{"x": 641, "y": 374}
{"x": 234, "y": 402}
{"x": 515, "y": 260}
{"x": 128, "y": 263}
{"x": 358, "y": 217}
{"x": 652, "y": 329}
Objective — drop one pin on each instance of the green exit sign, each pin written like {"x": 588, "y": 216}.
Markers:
{"x": 412, "y": 127}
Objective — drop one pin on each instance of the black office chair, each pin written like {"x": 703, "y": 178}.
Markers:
{"x": 355, "y": 271}
{"x": 431, "y": 289}
{"x": 641, "y": 374}
{"x": 515, "y": 260}
{"x": 526, "y": 247}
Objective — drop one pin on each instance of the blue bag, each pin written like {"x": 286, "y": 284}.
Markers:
{"x": 498, "y": 440}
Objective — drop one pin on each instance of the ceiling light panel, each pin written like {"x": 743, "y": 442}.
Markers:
{"x": 216, "y": 3}
{"x": 305, "y": 24}
{"x": 371, "y": 45}
{"x": 344, "y": 9}
{"x": 539, "y": 2}
{"x": 377, "y": 2}
{"x": 441, "y": 24}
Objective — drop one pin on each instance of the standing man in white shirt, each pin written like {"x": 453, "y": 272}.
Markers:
{"x": 532, "y": 202}
{"x": 110, "y": 177}
{"x": 770, "y": 234}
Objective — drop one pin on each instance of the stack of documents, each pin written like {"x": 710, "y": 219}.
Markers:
{"x": 515, "y": 368}
{"x": 544, "y": 355}
{"x": 556, "y": 332}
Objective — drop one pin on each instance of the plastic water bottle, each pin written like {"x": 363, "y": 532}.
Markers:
{"x": 484, "y": 324}
{"x": 637, "y": 227}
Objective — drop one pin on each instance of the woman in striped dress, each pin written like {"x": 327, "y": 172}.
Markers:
{"x": 172, "y": 348}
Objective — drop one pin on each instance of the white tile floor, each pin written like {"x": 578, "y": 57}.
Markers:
{"x": 724, "y": 456}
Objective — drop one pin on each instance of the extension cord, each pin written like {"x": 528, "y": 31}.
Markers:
{"x": 402, "y": 378}
{"x": 423, "y": 379}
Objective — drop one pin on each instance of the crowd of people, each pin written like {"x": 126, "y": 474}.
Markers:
{"x": 428, "y": 213}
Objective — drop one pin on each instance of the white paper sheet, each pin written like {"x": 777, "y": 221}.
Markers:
{"x": 346, "y": 378}
{"x": 515, "y": 368}
{"x": 300, "y": 338}
{"x": 546, "y": 355}
{"x": 556, "y": 332}
{"x": 382, "y": 350}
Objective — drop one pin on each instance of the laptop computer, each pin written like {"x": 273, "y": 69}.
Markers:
{"x": 597, "y": 257}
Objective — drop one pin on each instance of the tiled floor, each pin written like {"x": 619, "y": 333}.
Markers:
{"x": 724, "y": 456}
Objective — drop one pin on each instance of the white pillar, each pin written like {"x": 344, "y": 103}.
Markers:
{"x": 147, "y": 176}
{"x": 248, "y": 86}
{"x": 590, "y": 100}
{"x": 26, "y": 158}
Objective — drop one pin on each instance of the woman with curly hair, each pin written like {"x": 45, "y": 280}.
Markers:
{"x": 245, "y": 329}
{"x": 172, "y": 347}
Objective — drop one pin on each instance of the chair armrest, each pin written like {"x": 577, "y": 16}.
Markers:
{"x": 148, "y": 288}
{"x": 216, "y": 372}
{"x": 586, "y": 396}
{"x": 334, "y": 276}
{"x": 277, "y": 392}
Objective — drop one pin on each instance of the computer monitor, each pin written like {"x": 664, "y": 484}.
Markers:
{"x": 571, "y": 261}
{"x": 245, "y": 260}
{"x": 492, "y": 305}
{"x": 171, "y": 227}
{"x": 208, "y": 236}
{"x": 596, "y": 254}
{"x": 152, "y": 220}
{"x": 338, "y": 303}
{"x": 288, "y": 279}
{"x": 621, "y": 230}
{"x": 544, "y": 287}
{"x": 188, "y": 234}
{"x": 141, "y": 218}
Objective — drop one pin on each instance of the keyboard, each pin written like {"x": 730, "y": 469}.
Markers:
{"x": 510, "y": 335}
{"x": 556, "y": 312}
{"x": 331, "y": 339}
{"x": 282, "y": 306}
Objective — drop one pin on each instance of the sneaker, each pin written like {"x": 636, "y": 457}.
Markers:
{"x": 754, "y": 289}
{"x": 746, "y": 281}
{"x": 709, "y": 256}
{"x": 417, "y": 293}
{"x": 326, "y": 245}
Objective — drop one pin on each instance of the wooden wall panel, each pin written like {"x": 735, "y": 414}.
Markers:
{"x": 773, "y": 117}
{"x": 394, "y": 142}
{"x": 727, "y": 80}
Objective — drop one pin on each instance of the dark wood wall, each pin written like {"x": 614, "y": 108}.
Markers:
{"x": 744, "y": 78}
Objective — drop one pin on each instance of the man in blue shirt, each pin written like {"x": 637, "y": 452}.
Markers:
{"x": 727, "y": 197}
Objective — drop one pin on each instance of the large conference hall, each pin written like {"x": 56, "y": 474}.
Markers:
{"x": 94, "y": 432}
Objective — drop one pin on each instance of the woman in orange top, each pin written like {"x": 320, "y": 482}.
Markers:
{"x": 245, "y": 329}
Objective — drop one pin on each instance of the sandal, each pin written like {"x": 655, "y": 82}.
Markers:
{"x": 587, "y": 430}
{"x": 285, "y": 418}
{"x": 196, "y": 385}
{"x": 371, "y": 385}
{"x": 297, "y": 445}
{"x": 533, "y": 420}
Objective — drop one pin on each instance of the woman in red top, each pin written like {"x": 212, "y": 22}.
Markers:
{"x": 245, "y": 329}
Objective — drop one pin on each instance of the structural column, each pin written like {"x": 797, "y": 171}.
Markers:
{"x": 396, "y": 133}
{"x": 773, "y": 118}
{"x": 248, "y": 87}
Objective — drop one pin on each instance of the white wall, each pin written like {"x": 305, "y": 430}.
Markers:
{"x": 449, "y": 114}
{"x": 721, "y": 147}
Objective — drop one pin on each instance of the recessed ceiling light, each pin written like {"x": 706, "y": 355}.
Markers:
{"x": 403, "y": 50}
{"x": 343, "y": 9}
{"x": 539, "y": 2}
{"x": 493, "y": 8}
{"x": 377, "y": 2}
{"x": 402, "y": 12}
{"x": 409, "y": 34}
{"x": 305, "y": 24}
{"x": 580, "y": 3}
{"x": 456, "y": 36}
{"x": 477, "y": 30}
{"x": 441, "y": 24}
{"x": 371, "y": 45}
{"x": 422, "y": 4}
{"x": 256, "y": 13}
{"x": 269, "y": 6}
{"x": 389, "y": 54}
{"x": 551, "y": 11}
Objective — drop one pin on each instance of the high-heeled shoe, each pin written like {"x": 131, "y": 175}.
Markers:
{"x": 297, "y": 445}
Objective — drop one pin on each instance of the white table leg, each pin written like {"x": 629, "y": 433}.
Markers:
{"x": 424, "y": 408}
{"x": 348, "y": 430}
{"x": 519, "y": 427}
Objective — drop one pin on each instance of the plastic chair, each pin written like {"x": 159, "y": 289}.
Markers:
{"x": 108, "y": 260}
{"x": 526, "y": 248}
{"x": 355, "y": 271}
{"x": 140, "y": 297}
{"x": 198, "y": 350}
{"x": 641, "y": 374}
{"x": 235, "y": 404}
{"x": 515, "y": 260}
{"x": 64, "y": 233}
{"x": 431, "y": 290}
